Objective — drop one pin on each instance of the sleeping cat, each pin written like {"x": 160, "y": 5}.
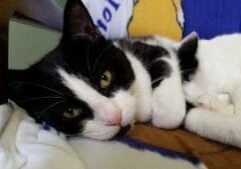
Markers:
{"x": 96, "y": 87}
{"x": 214, "y": 87}
{"x": 211, "y": 80}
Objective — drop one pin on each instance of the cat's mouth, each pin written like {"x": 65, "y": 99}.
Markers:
{"x": 97, "y": 130}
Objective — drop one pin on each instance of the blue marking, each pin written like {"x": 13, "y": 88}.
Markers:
{"x": 45, "y": 126}
{"x": 107, "y": 14}
{"x": 162, "y": 151}
{"x": 114, "y": 4}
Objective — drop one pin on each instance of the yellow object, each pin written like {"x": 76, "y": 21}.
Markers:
{"x": 156, "y": 17}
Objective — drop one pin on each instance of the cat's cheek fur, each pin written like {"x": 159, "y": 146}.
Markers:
{"x": 98, "y": 130}
{"x": 192, "y": 92}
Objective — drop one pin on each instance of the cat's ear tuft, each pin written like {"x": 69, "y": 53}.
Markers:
{"x": 78, "y": 23}
{"x": 188, "y": 46}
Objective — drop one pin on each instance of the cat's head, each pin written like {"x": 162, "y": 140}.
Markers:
{"x": 83, "y": 86}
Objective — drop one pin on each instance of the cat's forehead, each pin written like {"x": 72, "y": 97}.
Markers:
{"x": 158, "y": 41}
{"x": 146, "y": 48}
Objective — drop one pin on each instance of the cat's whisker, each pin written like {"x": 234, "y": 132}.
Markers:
{"x": 51, "y": 106}
{"x": 156, "y": 80}
{"x": 39, "y": 98}
{"x": 42, "y": 86}
{"x": 182, "y": 71}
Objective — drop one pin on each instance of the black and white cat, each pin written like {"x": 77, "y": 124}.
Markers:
{"x": 95, "y": 87}
{"x": 214, "y": 87}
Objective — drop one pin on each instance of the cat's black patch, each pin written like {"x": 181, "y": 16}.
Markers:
{"x": 144, "y": 52}
{"x": 187, "y": 58}
{"x": 151, "y": 57}
{"x": 45, "y": 98}
{"x": 159, "y": 71}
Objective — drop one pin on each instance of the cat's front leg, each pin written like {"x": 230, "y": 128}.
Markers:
{"x": 214, "y": 104}
{"x": 168, "y": 104}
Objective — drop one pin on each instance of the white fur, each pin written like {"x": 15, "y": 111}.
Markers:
{"x": 127, "y": 102}
{"x": 141, "y": 88}
{"x": 216, "y": 84}
{"x": 168, "y": 103}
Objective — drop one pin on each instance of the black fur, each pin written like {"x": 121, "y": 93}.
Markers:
{"x": 151, "y": 57}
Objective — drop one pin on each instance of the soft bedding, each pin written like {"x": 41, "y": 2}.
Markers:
{"x": 27, "y": 145}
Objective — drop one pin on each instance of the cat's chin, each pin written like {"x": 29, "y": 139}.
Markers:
{"x": 97, "y": 130}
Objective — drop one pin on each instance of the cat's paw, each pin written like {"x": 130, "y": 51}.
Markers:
{"x": 167, "y": 116}
{"x": 213, "y": 104}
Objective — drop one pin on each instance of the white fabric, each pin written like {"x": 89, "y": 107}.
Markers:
{"x": 26, "y": 145}
{"x": 111, "y": 16}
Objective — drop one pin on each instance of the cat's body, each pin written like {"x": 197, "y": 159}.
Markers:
{"x": 95, "y": 87}
{"x": 215, "y": 90}
{"x": 211, "y": 80}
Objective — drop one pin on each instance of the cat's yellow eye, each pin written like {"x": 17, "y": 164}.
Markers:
{"x": 105, "y": 79}
{"x": 72, "y": 113}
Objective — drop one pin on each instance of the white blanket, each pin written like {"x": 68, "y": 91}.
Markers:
{"x": 27, "y": 145}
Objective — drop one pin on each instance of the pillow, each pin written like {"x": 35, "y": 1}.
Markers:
{"x": 157, "y": 17}
{"x": 118, "y": 19}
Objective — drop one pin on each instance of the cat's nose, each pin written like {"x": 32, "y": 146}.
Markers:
{"x": 116, "y": 121}
{"x": 109, "y": 113}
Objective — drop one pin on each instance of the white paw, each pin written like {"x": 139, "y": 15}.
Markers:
{"x": 213, "y": 104}
{"x": 207, "y": 102}
{"x": 167, "y": 116}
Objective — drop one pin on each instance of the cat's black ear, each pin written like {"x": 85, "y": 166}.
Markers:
{"x": 78, "y": 23}
{"x": 187, "y": 56}
{"x": 189, "y": 46}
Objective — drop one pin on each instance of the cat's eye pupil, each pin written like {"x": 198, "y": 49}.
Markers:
{"x": 103, "y": 77}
